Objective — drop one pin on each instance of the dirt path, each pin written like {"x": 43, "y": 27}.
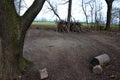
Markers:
{"x": 67, "y": 56}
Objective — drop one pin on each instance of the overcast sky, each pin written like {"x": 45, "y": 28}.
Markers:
{"x": 77, "y": 12}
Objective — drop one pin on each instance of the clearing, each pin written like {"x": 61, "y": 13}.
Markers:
{"x": 67, "y": 56}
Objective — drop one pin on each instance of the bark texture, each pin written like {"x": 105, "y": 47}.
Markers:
{"x": 69, "y": 14}
{"x": 69, "y": 10}
{"x": 12, "y": 32}
{"x": 109, "y": 9}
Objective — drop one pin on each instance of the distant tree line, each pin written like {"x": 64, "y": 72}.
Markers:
{"x": 94, "y": 16}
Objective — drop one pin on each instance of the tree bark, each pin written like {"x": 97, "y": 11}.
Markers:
{"x": 119, "y": 20}
{"x": 69, "y": 15}
{"x": 12, "y": 32}
{"x": 109, "y": 9}
{"x": 69, "y": 10}
{"x": 108, "y": 17}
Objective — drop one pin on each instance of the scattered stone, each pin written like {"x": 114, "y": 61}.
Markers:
{"x": 112, "y": 76}
{"x": 19, "y": 77}
{"x": 43, "y": 73}
{"x": 97, "y": 69}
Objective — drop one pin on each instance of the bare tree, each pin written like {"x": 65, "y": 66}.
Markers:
{"x": 69, "y": 10}
{"x": 109, "y": 9}
{"x": 84, "y": 8}
{"x": 13, "y": 29}
{"x": 116, "y": 15}
{"x": 91, "y": 4}
{"x": 69, "y": 15}
{"x": 96, "y": 14}
{"x": 119, "y": 20}
{"x": 54, "y": 9}
{"x": 19, "y": 5}
{"x": 19, "y": 8}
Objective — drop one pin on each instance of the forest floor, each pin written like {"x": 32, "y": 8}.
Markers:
{"x": 67, "y": 56}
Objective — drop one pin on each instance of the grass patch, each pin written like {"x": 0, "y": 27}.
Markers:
{"x": 52, "y": 25}
{"x": 43, "y": 25}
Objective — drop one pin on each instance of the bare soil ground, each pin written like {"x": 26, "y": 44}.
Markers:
{"x": 67, "y": 56}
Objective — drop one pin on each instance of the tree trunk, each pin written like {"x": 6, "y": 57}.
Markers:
{"x": 85, "y": 13}
{"x": 119, "y": 20}
{"x": 108, "y": 17}
{"x": 69, "y": 15}
{"x": 11, "y": 59}
{"x": 12, "y": 46}
{"x": 92, "y": 17}
{"x": 12, "y": 33}
{"x": 109, "y": 9}
{"x": 69, "y": 10}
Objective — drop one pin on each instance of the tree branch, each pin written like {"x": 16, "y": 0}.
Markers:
{"x": 53, "y": 9}
{"x": 64, "y": 3}
{"x": 30, "y": 14}
{"x": 28, "y": 17}
{"x": 25, "y": 4}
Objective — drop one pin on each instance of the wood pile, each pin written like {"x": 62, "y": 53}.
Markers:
{"x": 63, "y": 26}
